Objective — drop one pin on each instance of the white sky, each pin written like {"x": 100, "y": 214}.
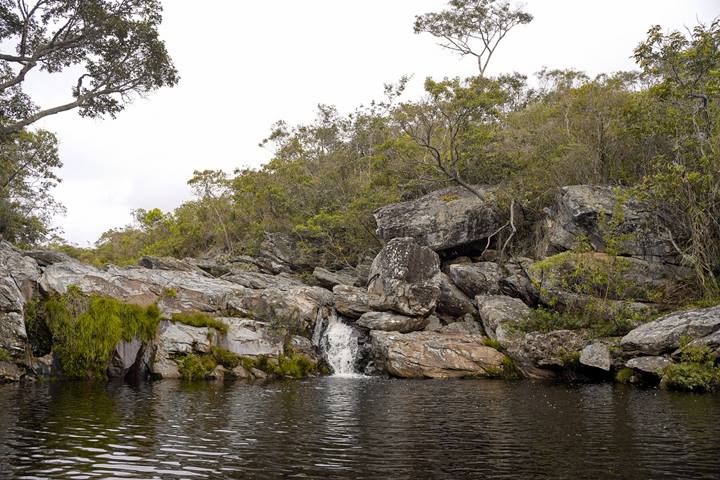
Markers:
{"x": 247, "y": 64}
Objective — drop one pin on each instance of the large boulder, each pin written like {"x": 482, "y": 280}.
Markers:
{"x": 174, "y": 339}
{"x": 441, "y": 220}
{"x": 124, "y": 357}
{"x": 649, "y": 366}
{"x": 326, "y": 278}
{"x": 249, "y": 337}
{"x": 663, "y": 335}
{"x": 453, "y": 302}
{"x": 391, "y": 322}
{"x": 405, "y": 278}
{"x": 350, "y": 301}
{"x": 435, "y": 355}
{"x": 544, "y": 354}
{"x": 482, "y": 278}
{"x": 500, "y": 313}
{"x": 596, "y": 355}
{"x": 586, "y": 211}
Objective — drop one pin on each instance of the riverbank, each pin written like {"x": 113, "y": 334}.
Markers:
{"x": 603, "y": 297}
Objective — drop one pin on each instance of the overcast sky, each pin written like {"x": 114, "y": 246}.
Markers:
{"x": 247, "y": 64}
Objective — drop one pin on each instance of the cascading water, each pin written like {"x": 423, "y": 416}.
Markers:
{"x": 340, "y": 346}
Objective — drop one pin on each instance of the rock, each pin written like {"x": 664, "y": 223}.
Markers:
{"x": 434, "y": 324}
{"x": 663, "y": 335}
{"x": 124, "y": 357}
{"x": 18, "y": 285}
{"x": 350, "y": 301}
{"x": 241, "y": 373}
{"x": 45, "y": 366}
{"x": 258, "y": 374}
{"x": 362, "y": 270}
{"x": 45, "y": 258}
{"x": 177, "y": 339}
{"x": 169, "y": 263}
{"x": 652, "y": 365}
{"x": 476, "y": 278}
{"x": 435, "y": 355}
{"x": 304, "y": 346}
{"x": 390, "y": 322}
{"x": 469, "y": 326}
{"x": 9, "y": 372}
{"x": 249, "y": 338}
{"x": 441, "y": 220}
{"x": 498, "y": 313}
{"x": 517, "y": 282}
{"x": 453, "y": 302}
{"x": 543, "y": 355}
{"x": 582, "y": 210}
{"x": 405, "y": 278}
{"x": 596, "y": 355}
{"x": 258, "y": 281}
{"x": 711, "y": 341}
{"x": 328, "y": 279}
{"x": 281, "y": 252}
{"x": 218, "y": 373}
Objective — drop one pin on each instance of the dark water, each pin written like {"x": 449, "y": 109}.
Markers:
{"x": 356, "y": 428}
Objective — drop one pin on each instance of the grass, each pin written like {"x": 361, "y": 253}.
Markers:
{"x": 5, "y": 355}
{"x": 85, "y": 329}
{"x": 624, "y": 375}
{"x": 492, "y": 343}
{"x": 198, "y": 319}
{"x": 196, "y": 367}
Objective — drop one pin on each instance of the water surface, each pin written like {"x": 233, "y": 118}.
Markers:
{"x": 356, "y": 428}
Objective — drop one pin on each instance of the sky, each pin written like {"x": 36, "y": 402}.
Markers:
{"x": 246, "y": 64}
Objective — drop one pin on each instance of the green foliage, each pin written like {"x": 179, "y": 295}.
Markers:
{"x": 225, "y": 358}
{"x": 697, "y": 371}
{"x": 169, "y": 293}
{"x": 570, "y": 359}
{"x": 86, "y": 329}
{"x": 297, "y": 366}
{"x": 198, "y": 319}
{"x": 196, "y": 367}
{"x": 5, "y": 355}
{"x": 492, "y": 343}
{"x": 624, "y": 375}
{"x": 510, "y": 371}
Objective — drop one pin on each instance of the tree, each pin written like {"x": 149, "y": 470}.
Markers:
{"x": 113, "y": 45}
{"x": 27, "y": 174}
{"x": 471, "y": 22}
{"x": 211, "y": 188}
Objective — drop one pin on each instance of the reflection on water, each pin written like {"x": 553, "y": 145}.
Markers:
{"x": 355, "y": 428}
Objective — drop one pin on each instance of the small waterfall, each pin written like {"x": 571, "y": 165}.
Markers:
{"x": 340, "y": 345}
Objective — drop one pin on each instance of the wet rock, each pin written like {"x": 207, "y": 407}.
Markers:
{"x": 476, "y": 278}
{"x": 596, "y": 355}
{"x": 405, "y": 278}
{"x": 434, "y": 355}
{"x": 452, "y": 301}
{"x": 499, "y": 313}
{"x": 391, "y": 322}
{"x": 249, "y": 338}
{"x": 441, "y": 220}
{"x": 582, "y": 210}
{"x": 350, "y": 301}
{"x": 651, "y": 365}
{"x": 663, "y": 335}
{"x": 328, "y": 279}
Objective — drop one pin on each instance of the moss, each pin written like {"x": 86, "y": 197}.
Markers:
{"x": 198, "y": 319}
{"x": 196, "y": 367}
{"x": 624, "y": 375}
{"x": 5, "y": 355}
{"x": 696, "y": 372}
{"x": 86, "y": 329}
{"x": 570, "y": 359}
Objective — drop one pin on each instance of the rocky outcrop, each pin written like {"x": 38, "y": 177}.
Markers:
{"x": 500, "y": 313}
{"x": 259, "y": 281}
{"x": 482, "y": 278}
{"x": 249, "y": 338}
{"x": 652, "y": 365}
{"x": 663, "y": 335}
{"x": 405, "y": 278}
{"x": 326, "y": 278}
{"x": 441, "y": 220}
{"x": 391, "y": 322}
{"x": 435, "y": 355}
{"x": 350, "y": 301}
{"x": 544, "y": 355}
{"x": 176, "y": 339}
{"x": 169, "y": 263}
{"x": 586, "y": 211}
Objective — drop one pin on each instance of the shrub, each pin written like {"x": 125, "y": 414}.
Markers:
{"x": 696, "y": 371}
{"x": 198, "y": 319}
{"x": 296, "y": 366}
{"x": 86, "y": 329}
{"x": 196, "y": 367}
{"x": 225, "y": 358}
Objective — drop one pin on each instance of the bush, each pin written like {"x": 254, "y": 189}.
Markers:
{"x": 200, "y": 320}
{"x": 196, "y": 367}
{"x": 86, "y": 329}
{"x": 696, "y": 372}
{"x": 296, "y": 366}
{"x": 225, "y": 358}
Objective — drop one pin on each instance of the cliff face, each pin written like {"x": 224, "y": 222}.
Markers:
{"x": 435, "y": 302}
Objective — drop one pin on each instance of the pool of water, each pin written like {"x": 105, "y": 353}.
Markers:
{"x": 356, "y": 428}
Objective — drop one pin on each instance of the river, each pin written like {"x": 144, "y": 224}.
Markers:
{"x": 356, "y": 428}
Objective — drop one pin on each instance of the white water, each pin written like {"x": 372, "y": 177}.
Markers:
{"x": 341, "y": 347}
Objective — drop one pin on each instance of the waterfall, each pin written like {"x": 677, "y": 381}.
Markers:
{"x": 340, "y": 345}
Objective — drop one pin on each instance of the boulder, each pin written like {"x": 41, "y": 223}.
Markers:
{"x": 651, "y": 365}
{"x": 435, "y": 355}
{"x": 405, "y": 278}
{"x": 474, "y": 279}
{"x": 468, "y": 325}
{"x": 596, "y": 355}
{"x": 453, "y": 302}
{"x": 350, "y": 301}
{"x": 711, "y": 341}
{"x": 517, "y": 282}
{"x": 305, "y": 347}
{"x": 544, "y": 355}
{"x": 249, "y": 338}
{"x": 499, "y": 313}
{"x": 177, "y": 339}
{"x": 18, "y": 285}
{"x": 585, "y": 210}
{"x": 45, "y": 258}
{"x": 441, "y": 220}
{"x": 124, "y": 357}
{"x": 391, "y": 322}
{"x": 328, "y": 279}
{"x": 169, "y": 263}
{"x": 663, "y": 335}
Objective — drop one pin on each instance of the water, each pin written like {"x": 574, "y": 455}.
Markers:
{"x": 356, "y": 428}
{"x": 340, "y": 347}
